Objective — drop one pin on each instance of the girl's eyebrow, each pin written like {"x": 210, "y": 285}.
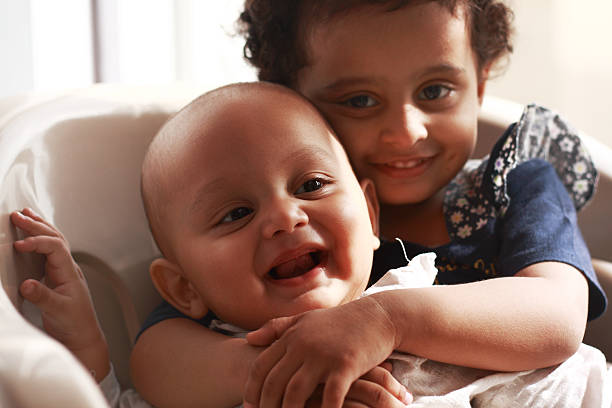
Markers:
{"x": 346, "y": 82}
{"x": 444, "y": 68}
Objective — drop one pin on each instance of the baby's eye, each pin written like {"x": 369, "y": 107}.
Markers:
{"x": 361, "y": 101}
{"x": 236, "y": 214}
{"x": 433, "y": 92}
{"x": 311, "y": 185}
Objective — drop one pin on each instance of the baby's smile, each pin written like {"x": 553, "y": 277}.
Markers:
{"x": 296, "y": 266}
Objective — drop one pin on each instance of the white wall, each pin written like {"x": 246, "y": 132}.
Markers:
{"x": 45, "y": 45}
{"x": 563, "y": 60}
{"x": 15, "y": 47}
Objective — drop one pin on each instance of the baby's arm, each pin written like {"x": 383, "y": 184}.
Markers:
{"x": 178, "y": 362}
{"x": 205, "y": 368}
{"x": 532, "y": 320}
{"x": 67, "y": 311}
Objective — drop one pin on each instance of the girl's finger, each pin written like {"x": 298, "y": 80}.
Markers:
{"x": 260, "y": 369}
{"x": 335, "y": 390}
{"x": 271, "y": 331}
{"x": 275, "y": 385}
{"x": 301, "y": 386}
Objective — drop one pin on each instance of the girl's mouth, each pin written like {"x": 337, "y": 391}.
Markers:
{"x": 407, "y": 164}
{"x": 405, "y": 168}
{"x": 296, "y": 267}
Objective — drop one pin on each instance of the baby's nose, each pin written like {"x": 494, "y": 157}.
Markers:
{"x": 283, "y": 215}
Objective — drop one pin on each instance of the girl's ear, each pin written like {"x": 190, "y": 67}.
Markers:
{"x": 176, "y": 289}
{"x": 367, "y": 186}
{"x": 482, "y": 82}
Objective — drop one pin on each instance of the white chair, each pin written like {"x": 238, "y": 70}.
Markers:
{"x": 75, "y": 158}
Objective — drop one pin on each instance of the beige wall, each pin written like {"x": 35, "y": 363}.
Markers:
{"x": 563, "y": 60}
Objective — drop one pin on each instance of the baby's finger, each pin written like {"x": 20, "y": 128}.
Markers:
{"x": 372, "y": 394}
{"x": 32, "y": 214}
{"x": 32, "y": 226}
{"x": 40, "y": 295}
{"x": 60, "y": 266}
{"x": 258, "y": 373}
{"x": 382, "y": 377}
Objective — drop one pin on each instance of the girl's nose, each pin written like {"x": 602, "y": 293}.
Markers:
{"x": 404, "y": 127}
{"x": 283, "y": 215}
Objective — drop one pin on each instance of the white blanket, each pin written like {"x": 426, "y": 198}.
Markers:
{"x": 583, "y": 380}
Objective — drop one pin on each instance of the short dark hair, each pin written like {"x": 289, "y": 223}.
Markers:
{"x": 276, "y": 47}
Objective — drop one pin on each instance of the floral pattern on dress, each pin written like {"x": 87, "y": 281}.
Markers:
{"x": 465, "y": 205}
{"x": 540, "y": 133}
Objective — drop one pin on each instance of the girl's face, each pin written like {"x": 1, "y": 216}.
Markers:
{"x": 401, "y": 89}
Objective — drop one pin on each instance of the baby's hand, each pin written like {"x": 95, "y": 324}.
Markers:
{"x": 377, "y": 388}
{"x": 334, "y": 347}
{"x": 67, "y": 310}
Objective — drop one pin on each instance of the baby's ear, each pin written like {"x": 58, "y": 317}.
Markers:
{"x": 176, "y": 289}
{"x": 367, "y": 186}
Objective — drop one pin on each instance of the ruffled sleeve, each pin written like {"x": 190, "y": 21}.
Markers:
{"x": 542, "y": 134}
{"x": 479, "y": 193}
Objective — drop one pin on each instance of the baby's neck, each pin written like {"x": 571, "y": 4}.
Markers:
{"x": 422, "y": 223}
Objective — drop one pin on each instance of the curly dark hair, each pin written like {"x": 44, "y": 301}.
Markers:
{"x": 275, "y": 46}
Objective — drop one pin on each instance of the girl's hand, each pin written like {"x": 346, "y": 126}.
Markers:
{"x": 67, "y": 310}
{"x": 333, "y": 347}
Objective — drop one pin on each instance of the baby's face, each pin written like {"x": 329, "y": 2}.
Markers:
{"x": 270, "y": 220}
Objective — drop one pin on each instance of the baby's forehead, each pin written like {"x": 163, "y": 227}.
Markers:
{"x": 256, "y": 116}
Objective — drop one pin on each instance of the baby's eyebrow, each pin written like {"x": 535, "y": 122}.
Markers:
{"x": 207, "y": 189}
{"x": 307, "y": 153}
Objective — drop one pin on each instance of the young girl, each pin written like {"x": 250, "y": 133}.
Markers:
{"x": 401, "y": 82}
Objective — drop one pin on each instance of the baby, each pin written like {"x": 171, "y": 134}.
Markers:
{"x": 258, "y": 215}
{"x": 257, "y": 212}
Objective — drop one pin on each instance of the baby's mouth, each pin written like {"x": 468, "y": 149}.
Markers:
{"x": 296, "y": 266}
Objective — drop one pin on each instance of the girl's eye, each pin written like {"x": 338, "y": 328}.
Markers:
{"x": 236, "y": 214}
{"x": 433, "y": 92}
{"x": 310, "y": 186}
{"x": 361, "y": 101}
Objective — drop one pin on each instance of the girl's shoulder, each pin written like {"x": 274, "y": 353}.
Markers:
{"x": 479, "y": 192}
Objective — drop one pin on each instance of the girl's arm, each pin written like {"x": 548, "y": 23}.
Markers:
{"x": 534, "y": 319}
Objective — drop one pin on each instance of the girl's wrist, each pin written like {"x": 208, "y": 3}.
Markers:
{"x": 376, "y": 305}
